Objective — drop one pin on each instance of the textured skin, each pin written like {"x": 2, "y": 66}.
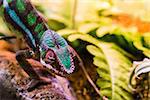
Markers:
{"x": 50, "y": 48}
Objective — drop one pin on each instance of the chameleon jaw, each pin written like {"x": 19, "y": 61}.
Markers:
{"x": 48, "y": 66}
{"x": 71, "y": 68}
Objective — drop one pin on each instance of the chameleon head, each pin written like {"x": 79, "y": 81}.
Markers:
{"x": 56, "y": 54}
{"x": 61, "y": 61}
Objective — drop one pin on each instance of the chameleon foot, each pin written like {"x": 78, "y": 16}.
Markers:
{"x": 36, "y": 82}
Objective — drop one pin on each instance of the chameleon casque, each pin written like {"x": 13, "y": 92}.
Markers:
{"x": 45, "y": 45}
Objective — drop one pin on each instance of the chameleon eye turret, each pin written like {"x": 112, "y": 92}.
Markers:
{"x": 50, "y": 57}
{"x": 55, "y": 47}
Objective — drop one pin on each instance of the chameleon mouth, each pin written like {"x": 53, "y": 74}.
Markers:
{"x": 51, "y": 68}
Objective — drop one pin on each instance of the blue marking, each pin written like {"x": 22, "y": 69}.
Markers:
{"x": 15, "y": 18}
{"x": 51, "y": 40}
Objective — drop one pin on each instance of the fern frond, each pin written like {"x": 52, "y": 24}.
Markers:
{"x": 111, "y": 64}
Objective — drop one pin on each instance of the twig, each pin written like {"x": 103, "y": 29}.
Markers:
{"x": 87, "y": 75}
{"x": 7, "y": 37}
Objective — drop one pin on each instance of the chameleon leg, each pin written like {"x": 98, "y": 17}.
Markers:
{"x": 22, "y": 57}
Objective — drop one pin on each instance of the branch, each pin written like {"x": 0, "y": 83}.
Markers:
{"x": 13, "y": 81}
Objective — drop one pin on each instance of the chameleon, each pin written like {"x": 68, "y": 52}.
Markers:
{"x": 44, "y": 45}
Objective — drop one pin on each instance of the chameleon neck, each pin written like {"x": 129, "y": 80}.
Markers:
{"x": 24, "y": 17}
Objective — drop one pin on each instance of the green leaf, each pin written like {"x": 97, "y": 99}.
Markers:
{"x": 96, "y": 52}
{"x": 146, "y": 40}
{"x": 55, "y": 24}
{"x": 146, "y": 51}
{"x": 86, "y": 28}
{"x": 66, "y": 32}
{"x": 105, "y": 30}
{"x": 123, "y": 38}
{"x": 111, "y": 64}
{"x": 2, "y": 34}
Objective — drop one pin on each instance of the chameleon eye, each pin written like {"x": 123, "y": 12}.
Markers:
{"x": 50, "y": 57}
{"x": 50, "y": 54}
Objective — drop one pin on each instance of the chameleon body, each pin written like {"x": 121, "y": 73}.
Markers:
{"x": 44, "y": 44}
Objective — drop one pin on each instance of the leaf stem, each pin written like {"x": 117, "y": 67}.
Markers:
{"x": 74, "y": 14}
{"x": 87, "y": 75}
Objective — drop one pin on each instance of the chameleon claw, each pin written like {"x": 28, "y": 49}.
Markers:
{"x": 32, "y": 84}
{"x": 36, "y": 82}
{"x": 45, "y": 80}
